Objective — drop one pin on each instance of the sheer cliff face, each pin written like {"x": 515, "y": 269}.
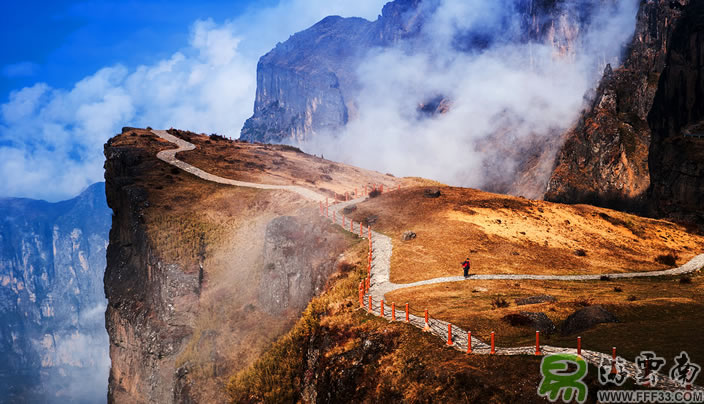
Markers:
{"x": 307, "y": 84}
{"x": 676, "y": 157}
{"x": 52, "y": 330}
{"x": 200, "y": 277}
{"x": 604, "y": 159}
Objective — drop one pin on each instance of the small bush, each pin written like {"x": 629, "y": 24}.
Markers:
{"x": 632, "y": 298}
{"x": 499, "y": 302}
{"x": 517, "y": 320}
{"x": 580, "y": 252}
{"x": 149, "y": 128}
{"x": 216, "y": 137}
{"x": 686, "y": 280}
{"x": 374, "y": 193}
{"x": 667, "y": 259}
{"x": 582, "y": 302}
{"x": 618, "y": 289}
{"x": 604, "y": 278}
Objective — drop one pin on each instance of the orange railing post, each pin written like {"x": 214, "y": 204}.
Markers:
{"x": 613, "y": 360}
{"x": 469, "y": 341}
{"x": 427, "y": 326}
{"x": 370, "y": 303}
{"x": 361, "y": 233}
{"x": 449, "y": 334}
{"x": 381, "y": 188}
{"x": 493, "y": 350}
{"x": 537, "y": 342}
{"x": 393, "y": 311}
{"x": 407, "y": 320}
{"x": 579, "y": 346}
{"x": 361, "y": 293}
{"x": 381, "y": 310}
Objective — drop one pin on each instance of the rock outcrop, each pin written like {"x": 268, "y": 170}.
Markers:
{"x": 52, "y": 330}
{"x": 630, "y": 141}
{"x": 307, "y": 84}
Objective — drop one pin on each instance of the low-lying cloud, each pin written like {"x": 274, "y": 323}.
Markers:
{"x": 507, "y": 89}
{"x": 51, "y": 139}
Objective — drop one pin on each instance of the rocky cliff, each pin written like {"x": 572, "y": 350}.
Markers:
{"x": 676, "y": 119}
{"x": 307, "y": 84}
{"x": 200, "y": 276}
{"x": 604, "y": 159}
{"x": 52, "y": 331}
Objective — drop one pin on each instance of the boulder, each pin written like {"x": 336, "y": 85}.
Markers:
{"x": 540, "y": 322}
{"x": 535, "y": 300}
{"x": 349, "y": 209}
{"x": 431, "y": 193}
{"x": 586, "y": 318}
{"x": 537, "y": 321}
{"x": 408, "y": 235}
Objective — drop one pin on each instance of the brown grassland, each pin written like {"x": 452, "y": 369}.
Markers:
{"x": 512, "y": 235}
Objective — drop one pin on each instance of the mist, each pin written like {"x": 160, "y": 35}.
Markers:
{"x": 504, "y": 98}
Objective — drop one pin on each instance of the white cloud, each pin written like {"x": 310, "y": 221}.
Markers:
{"x": 51, "y": 139}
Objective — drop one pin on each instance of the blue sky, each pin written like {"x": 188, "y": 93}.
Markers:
{"x": 73, "y": 73}
{"x": 60, "y": 42}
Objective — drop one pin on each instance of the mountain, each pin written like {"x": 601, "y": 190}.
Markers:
{"x": 52, "y": 330}
{"x": 623, "y": 149}
{"x": 629, "y": 148}
{"x": 308, "y": 84}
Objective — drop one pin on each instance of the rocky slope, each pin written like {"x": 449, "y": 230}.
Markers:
{"x": 52, "y": 336}
{"x": 604, "y": 159}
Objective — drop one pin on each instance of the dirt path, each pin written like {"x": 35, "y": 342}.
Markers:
{"x": 169, "y": 156}
{"x": 380, "y": 283}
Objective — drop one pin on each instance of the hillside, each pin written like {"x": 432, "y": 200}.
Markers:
{"x": 203, "y": 277}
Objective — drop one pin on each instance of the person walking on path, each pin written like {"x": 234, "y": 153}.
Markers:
{"x": 466, "y": 265}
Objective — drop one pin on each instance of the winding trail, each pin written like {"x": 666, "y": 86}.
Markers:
{"x": 380, "y": 282}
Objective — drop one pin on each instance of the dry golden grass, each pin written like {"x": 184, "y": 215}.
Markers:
{"x": 505, "y": 234}
{"x": 665, "y": 315}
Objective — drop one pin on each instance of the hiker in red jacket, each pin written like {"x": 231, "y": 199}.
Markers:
{"x": 465, "y": 265}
